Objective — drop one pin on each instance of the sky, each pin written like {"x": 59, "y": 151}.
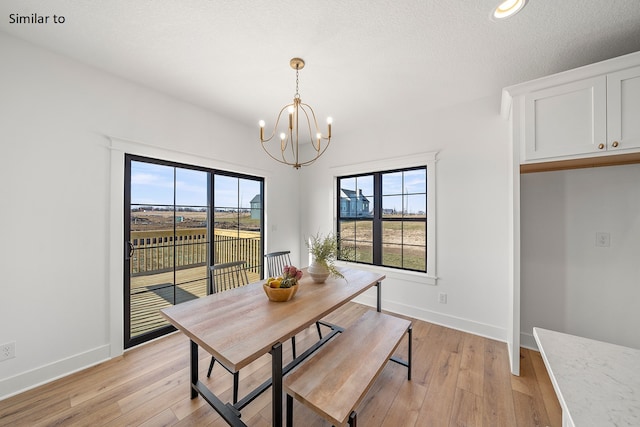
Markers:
{"x": 153, "y": 184}
{"x": 414, "y": 184}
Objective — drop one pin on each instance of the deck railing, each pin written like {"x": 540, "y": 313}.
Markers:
{"x": 155, "y": 254}
{"x": 230, "y": 248}
{"x": 160, "y": 251}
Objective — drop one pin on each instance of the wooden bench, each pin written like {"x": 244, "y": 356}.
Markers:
{"x": 335, "y": 380}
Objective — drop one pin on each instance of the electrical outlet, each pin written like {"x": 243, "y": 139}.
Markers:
{"x": 603, "y": 239}
{"x": 7, "y": 351}
{"x": 442, "y": 298}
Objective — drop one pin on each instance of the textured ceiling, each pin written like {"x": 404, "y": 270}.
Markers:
{"x": 365, "y": 58}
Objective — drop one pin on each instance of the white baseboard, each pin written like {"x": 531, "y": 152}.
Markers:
{"x": 527, "y": 340}
{"x": 53, "y": 371}
{"x": 458, "y": 323}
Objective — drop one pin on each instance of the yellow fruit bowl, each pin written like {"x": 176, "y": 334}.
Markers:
{"x": 280, "y": 294}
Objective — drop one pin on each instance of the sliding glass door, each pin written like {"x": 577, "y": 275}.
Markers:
{"x": 237, "y": 217}
{"x": 173, "y": 234}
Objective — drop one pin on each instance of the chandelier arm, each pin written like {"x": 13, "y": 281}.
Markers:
{"x": 275, "y": 126}
{"x": 312, "y": 134}
{"x": 273, "y": 157}
{"x": 318, "y": 127}
{"x": 284, "y": 144}
{"x": 318, "y": 149}
{"x": 284, "y": 161}
{"x": 295, "y": 148}
{"x": 317, "y": 156}
{"x": 297, "y": 165}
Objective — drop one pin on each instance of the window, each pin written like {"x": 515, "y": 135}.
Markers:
{"x": 237, "y": 219}
{"x": 386, "y": 218}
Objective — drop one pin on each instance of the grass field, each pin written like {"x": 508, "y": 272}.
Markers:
{"x": 163, "y": 220}
{"x": 403, "y": 242}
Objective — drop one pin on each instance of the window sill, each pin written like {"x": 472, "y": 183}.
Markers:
{"x": 392, "y": 273}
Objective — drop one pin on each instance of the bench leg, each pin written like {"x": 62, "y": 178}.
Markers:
{"x": 353, "y": 421}
{"x": 213, "y": 360}
{"x": 289, "y": 411}
{"x": 235, "y": 386}
{"x": 293, "y": 346}
{"x": 410, "y": 332}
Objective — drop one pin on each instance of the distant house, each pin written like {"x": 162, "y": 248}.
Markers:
{"x": 256, "y": 207}
{"x": 353, "y": 204}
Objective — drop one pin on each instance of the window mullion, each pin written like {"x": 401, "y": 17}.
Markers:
{"x": 377, "y": 219}
{"x": 210, "y": 221}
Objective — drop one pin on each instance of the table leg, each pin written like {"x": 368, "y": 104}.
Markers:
{"x": 230, "y": 414}
{"x": 194, "y": 369}
{"x": 379, "y": 288}
{"x": 276, "y": 386}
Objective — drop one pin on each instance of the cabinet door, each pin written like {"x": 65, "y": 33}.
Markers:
{"x": 623, "y": 109}
{"x": 566, "y": 120}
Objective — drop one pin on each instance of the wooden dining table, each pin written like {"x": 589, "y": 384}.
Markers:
{"x": 240, "y": 325}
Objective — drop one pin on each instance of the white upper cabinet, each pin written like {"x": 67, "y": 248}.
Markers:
{"x": 566, "y": 120}
{"x": 623, "y": 109}
{"x": 591, "y": 111}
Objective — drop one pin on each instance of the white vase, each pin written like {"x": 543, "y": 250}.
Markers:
{"x": 318, "y": 272}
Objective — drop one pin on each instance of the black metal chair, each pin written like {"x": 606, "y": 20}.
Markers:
{"x": 223, "y": 277}
{"x": 275, "y": 263}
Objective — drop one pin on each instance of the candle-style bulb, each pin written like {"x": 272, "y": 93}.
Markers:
{"x": 290, "y": 109}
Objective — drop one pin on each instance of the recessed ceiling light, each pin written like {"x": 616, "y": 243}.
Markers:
{"x": 508, "y": 8}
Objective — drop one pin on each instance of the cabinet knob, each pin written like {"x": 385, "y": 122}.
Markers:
{"x": 600, "y": 146}
{"x": 615, "y": 144}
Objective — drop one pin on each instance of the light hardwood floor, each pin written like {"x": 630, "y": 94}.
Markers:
{"x": 458, "y": 379}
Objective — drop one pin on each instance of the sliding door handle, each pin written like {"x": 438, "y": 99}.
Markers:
{"x": 128, "y": 250}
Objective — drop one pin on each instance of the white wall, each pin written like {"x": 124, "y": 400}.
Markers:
{"x": 568, "y": 283}
{"x": 61, "y": 199}
{"x": 472, "y": 207}
{"x": 60, "y": 298}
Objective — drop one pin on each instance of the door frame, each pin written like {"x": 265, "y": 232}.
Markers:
{"x": 118, "y": 147}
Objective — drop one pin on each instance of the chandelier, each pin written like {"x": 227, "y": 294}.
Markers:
{"x": 291, "y": 136}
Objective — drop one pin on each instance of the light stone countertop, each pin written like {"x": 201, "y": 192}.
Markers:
{"x": 597, "y": 383}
